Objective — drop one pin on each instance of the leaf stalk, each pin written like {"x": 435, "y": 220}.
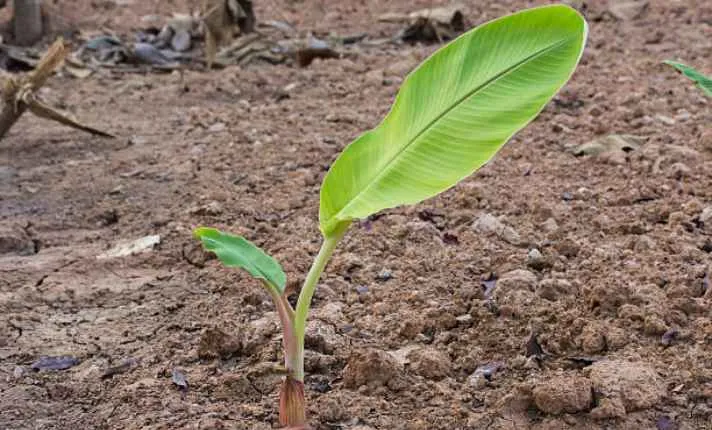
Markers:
{"x": 308, "y": 288}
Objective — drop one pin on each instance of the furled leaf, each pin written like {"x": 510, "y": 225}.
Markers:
{"x": 236, "y": 251}
{"x": 454, "y": 112}
{"x": 704, "y": 82}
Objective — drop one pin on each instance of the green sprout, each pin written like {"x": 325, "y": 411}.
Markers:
{"x": 701, "y": 80}
{"x": 452, "y": 114}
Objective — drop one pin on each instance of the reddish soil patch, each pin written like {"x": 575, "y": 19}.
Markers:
{"x": 624, "y": 244}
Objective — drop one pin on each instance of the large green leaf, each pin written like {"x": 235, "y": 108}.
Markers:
{"x": 454, "y": 112}
{"x": 236, "y": 251}
{"x": 702, "y": 81}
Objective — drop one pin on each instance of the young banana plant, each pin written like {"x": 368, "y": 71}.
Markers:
{"x": 452, "y": 114}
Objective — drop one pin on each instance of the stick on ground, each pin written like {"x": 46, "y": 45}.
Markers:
{"x": 19, "y": 94}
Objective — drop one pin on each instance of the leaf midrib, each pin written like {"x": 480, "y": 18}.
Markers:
{"x": 475, "y": 90}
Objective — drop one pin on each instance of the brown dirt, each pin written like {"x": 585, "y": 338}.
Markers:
{"x": 623, "y": 242}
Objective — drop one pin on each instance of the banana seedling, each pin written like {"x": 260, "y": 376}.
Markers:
{"x": 451, "y": 115}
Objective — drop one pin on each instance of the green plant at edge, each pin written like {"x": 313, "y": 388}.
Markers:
{"x": 451, "y": 115}
{"x": 702, "y": 81}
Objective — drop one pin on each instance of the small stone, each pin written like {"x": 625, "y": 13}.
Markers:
{"x": 665, "y": 120}
{"x": 181, "y": 41}
{"x": 18, "y": 372}
{"x": 384, "y": 275}
{"x": 563, "y": 394}
{"x": 550, "y": 225}
{"x": 430, "y": 363}
{"x": 706, "y": 218}
{"x": 628, "y": 10}
{"x": 537, "y": 261}
{"x": 464, "y": 319}
{"x": 217, "y": 127}
{"x": 489, "y": 224}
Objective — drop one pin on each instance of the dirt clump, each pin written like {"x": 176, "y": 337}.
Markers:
{"x": 563, "y": 394}
{"x": 430, "y": 363}
{"x": 215, "y": 343}
{"x": 371, "y": 367}
{"x": 635, "y": 386}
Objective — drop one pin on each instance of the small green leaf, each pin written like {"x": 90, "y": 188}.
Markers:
{"x": 236, "y": 251}
{"x": 454, "y": 112}
{"x": 704, "y": 82}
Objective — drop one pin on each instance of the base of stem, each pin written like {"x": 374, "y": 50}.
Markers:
{"x": 292, "y": 404}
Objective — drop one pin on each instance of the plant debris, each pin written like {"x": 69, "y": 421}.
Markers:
{"x": 123, "y": 367}
{"x": 533, "y": 348}
{"x": 669, "y": 337}
{"x": 315, "y": 48}
{"x": 19, "y": 94}
{"x": 665, "y": 423}
{"x": 489, "y": 283}
{"x": 125, "y": 249}
{"x": 429, "y": 25}
{"x": 221, "y": 19}
{"x": 179, "y": 380}
{"x": 62, "y": 362}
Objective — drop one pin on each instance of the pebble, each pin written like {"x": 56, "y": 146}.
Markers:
{"x": 489, "y": 224}
{"x": 181, "y": 41}
{"x": 627, "y": 10}
{"x": 537, "y": 261}
{"x": 550, "y": 225}
{"x": 706, "y": 218}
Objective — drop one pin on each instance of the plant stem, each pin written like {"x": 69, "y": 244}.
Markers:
{"x": 305, "y": 296}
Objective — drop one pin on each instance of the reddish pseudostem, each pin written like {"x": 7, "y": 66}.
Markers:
{"x": 292, "y": 405}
